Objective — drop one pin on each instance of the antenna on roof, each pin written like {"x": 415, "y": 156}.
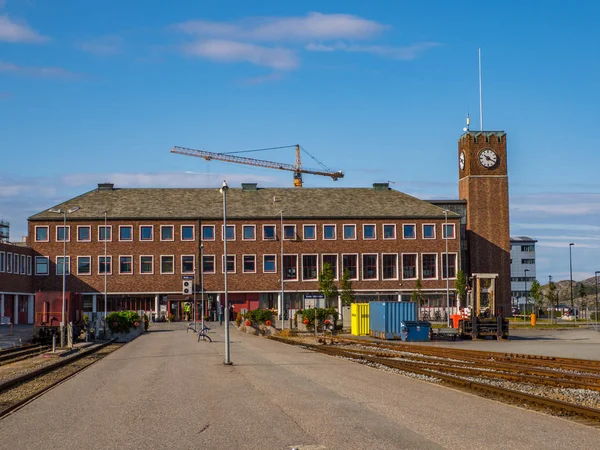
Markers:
{"x": 468, "y": 123}
{"x": 480, "y": 97}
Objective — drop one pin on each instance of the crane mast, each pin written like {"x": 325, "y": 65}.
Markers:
{"x": 295, "y": 168}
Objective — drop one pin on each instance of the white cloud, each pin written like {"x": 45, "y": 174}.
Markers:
{"x": 403, "y": 53}
{"x": 103, "y": 46}
{"x": 561, "y": 204}
{"x": 12, "y": 31}
{"x": 43, "y": 72}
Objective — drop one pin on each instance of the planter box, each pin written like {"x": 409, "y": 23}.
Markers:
{"x": 129, "y": 336}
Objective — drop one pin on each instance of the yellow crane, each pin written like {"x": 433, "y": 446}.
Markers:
{"x": 230, "y": 157}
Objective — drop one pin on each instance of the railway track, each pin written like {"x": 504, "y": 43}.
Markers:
{"x": 16, "y": 354}
{"x": 484, "y": 380}
{"x": 20, "y": 390}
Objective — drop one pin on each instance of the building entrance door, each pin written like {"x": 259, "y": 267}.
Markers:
{"x": 23, "y": 309}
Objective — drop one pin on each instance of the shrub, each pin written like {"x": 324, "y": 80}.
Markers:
{"x": 259, "y": 315}
{"x": 248, "y": 323}
{"x": 238, "y": 319}
{"x": 268, "y": 323}
{"x": 122, "y": 321}
{"x": 322, "y": 314}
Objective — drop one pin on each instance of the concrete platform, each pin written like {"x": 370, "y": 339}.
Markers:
{"x": 21, "y": 335}
{"x": 166, "y": 390}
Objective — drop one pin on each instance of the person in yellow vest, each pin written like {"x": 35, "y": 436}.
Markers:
{"x": 186, "y": 310}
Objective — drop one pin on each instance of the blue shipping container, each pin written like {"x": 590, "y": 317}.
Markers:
{"x": 413, "y": 331}
{"x": 386, "y": 318}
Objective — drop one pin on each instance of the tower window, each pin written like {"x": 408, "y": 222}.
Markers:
{"x": 475, "y": 139}
{"x": 487, "y": 139}
{"x": 499, "y": 139}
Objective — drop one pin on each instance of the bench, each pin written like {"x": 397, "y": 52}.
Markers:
{"x": 440, "y": 333}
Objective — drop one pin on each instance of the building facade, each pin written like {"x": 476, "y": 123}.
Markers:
{"x": 522, "y": 270}
{"x": 16, "y": 284}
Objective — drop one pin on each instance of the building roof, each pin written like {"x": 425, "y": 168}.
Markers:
{"x": 521, "y": 239}
{"x": 207, "y": 203}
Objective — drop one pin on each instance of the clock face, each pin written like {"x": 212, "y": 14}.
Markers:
{"x": 461, "y": 160}
{"x": 488, "y": 158}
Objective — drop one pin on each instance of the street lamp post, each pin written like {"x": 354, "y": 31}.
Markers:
{"x": 105, "y": 269}
{"x": 551, "y": 299}
{"x": 571, "y": 274}
{"x": 596, "y": 276}
{"x": 224, "y": 189}
{"x": 445, "y": 233}
{"x": 64, "y": 212}
{"x": 282, "y": 293}
{"x": 526, "y": 294}
{"x": 202, "y": 282}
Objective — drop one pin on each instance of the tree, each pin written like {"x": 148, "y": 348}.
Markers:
{"x": 460, "y": 284}
{"x": 552, "y": 297}
{"x": 417, "y": 295}
{"x": 346, "y": 292}
{"x": 536, "y": 293}
{"x": 327, "y": 286}
{"x": 582, "y": 297}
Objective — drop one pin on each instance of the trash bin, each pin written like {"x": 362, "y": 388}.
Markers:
{"x": 533, "y": 320}
{"x": 415, "y": 331}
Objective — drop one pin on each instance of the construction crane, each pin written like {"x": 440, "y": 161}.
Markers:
{"x": 230, "y": 157}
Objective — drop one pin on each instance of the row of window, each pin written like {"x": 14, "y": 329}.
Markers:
{"x": 525, "y": 248}
{"x": 522, "y": 278}
{"x": 15, "y": 263}
{"x": 373, "y": 266}
{"x": 188, "y": 232}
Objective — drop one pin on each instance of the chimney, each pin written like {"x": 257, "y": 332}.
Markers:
{"x": 106, "y": 186}
{"x": 381, "y": 186}
{"x": 247, "y": 187}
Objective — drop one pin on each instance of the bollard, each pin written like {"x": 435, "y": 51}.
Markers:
{"x": 533, "y": 320}
{"x": 53, "y": 343}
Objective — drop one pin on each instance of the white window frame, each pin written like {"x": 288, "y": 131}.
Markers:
{"x": 2, "y": 262}
{"x": 374, "y": 231}
{"x": 334, "y": 231}
{"x": 302, "y": 266}
{"x": 442, "y": 265}
{"x": 142, "y": 265}
{"x": 213, "y": 232}
{"x": 151, "y": 233}
{"x": 243, "y": 263}
{"x": 91, "y": 269}
{"x": 417, "y": 271}
{"x": 389, "y": 225}
{"x": 125, "y": 240}
{"x": 108, "y": 258}
{"x": 160, "y": 237}
{"x": 193, "y": 264}
{"x": 111, "y": 233}
{"x": 304, "y": 232}
{"x": 362, "y": 255}
{"x": 47, "y": 233}
{"x": 297, "y": 264}
{"x": 276, "y": 263}
{"x": 274, "y": 232}
{"x": 89, "y": 227}
{"x": 16, "y": 264}
{"x": 9, "y": 263}
{"x": 223, "y": 262}
{"x": 358, "y": 265}
{"x": 383, "y": 271}
{"x": 23, "y": 265}
{"x": 132, "y": 268}
{"x": 283, "y": 232}
{"x": 161, "y": 265}
{"x": 450, "y": 225}
{"x": 337, "y": 267}
{"x": 181, "y": 232}
{"x": 47, "y": 258}
{"x": 223, "y": 233}
{"x": 68, "y": 233}
{"x": 29, "y": 265}
{"x": 344, "y": 232}
{"x": 434, "y": 231}
{"x": 244, "y": 238}
{"x": 437, "y": 266}
{"x": 414, "y": 225}
{"x": 214, "y": 259}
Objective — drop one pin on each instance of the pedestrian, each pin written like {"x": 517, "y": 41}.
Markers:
{"x": 231, "y": 312}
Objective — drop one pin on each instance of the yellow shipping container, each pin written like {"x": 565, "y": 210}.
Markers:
{"x": 360, "y": 319}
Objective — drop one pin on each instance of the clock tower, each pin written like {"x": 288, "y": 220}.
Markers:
{"x": 483, "y": 183}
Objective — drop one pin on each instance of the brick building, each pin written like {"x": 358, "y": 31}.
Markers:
{"x": 16, "y": 283}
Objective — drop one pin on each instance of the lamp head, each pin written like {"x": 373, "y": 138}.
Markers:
{"x": 571, "y": 244}
{"x": 73, "y": 209}
{"x": 224, "y": 187}
{"x": 55, "y": 210}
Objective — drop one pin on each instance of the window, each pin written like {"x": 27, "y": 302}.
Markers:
{"x": 2, "y": 261}
{"x": 187, "y": 264}
{"x": 230, "y": 263}
{"x": 23, "y": 264}
{"x": 528, "y": 261}
{"x": 448, "y": 231}
{"x": 349, "y": 231}
{"x": 269, "y": 263}
{"x": 333, "y": 262}
{"x": 290, "y": 267}
{"x": 84, "y": 233}
{"x": 230, "y": 232}
{"x": 167, "y": 264}
{"x": 146, "y": 265}
{"x": 248, "y": 232}
{"x": 208, "y": 263}
{"x": 428, "y": 231}
{"x": 41, "y": 265}
{"x": 449, "y": 268}
{"x": 409, "y": 231}
{"x": 527, "y": 248}
{"x": 369, "y": 232}
{"x": 146, "y": 233}
{"x": 125, "y": 232}
{"x": 105, "y": 233}
{"x": 310, "y": 232}
{"x": 329, "y": 232}
{"x": 350, "y": 263}
{"x": 9, "y": 262}
{"x": 104, "y": 265}
{"x": 63, "y": 262}
{"x": 409, "y": 266}
{"x": 166, "y": 233}
{"x": 309, "y": 267}
{"x": 188, "y": 232}
{"x": 289, "y": 232}
{"x": 390, "y": 267}
{"x": 250, "y": 263}
{"x": 29, "y": 265}
{"x": 126, "y": 264}
{"x": 84, "y": 265}
{"x": 63, "y": 234}
{"x": 389, "y": 231}
{"x": 429, "y": 263}
{"x": 208, "y": 232}
{"x": 268, "y": 232}
{"x": 16, "y": 264}
{"x": 41, "y": 234}
{"x": 369, "y": 267}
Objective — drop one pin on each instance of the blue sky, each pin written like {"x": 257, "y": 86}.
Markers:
{"x": 100, "y": 91}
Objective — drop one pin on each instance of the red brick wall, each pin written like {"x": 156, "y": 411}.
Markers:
{"x": 11, "y": 282}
